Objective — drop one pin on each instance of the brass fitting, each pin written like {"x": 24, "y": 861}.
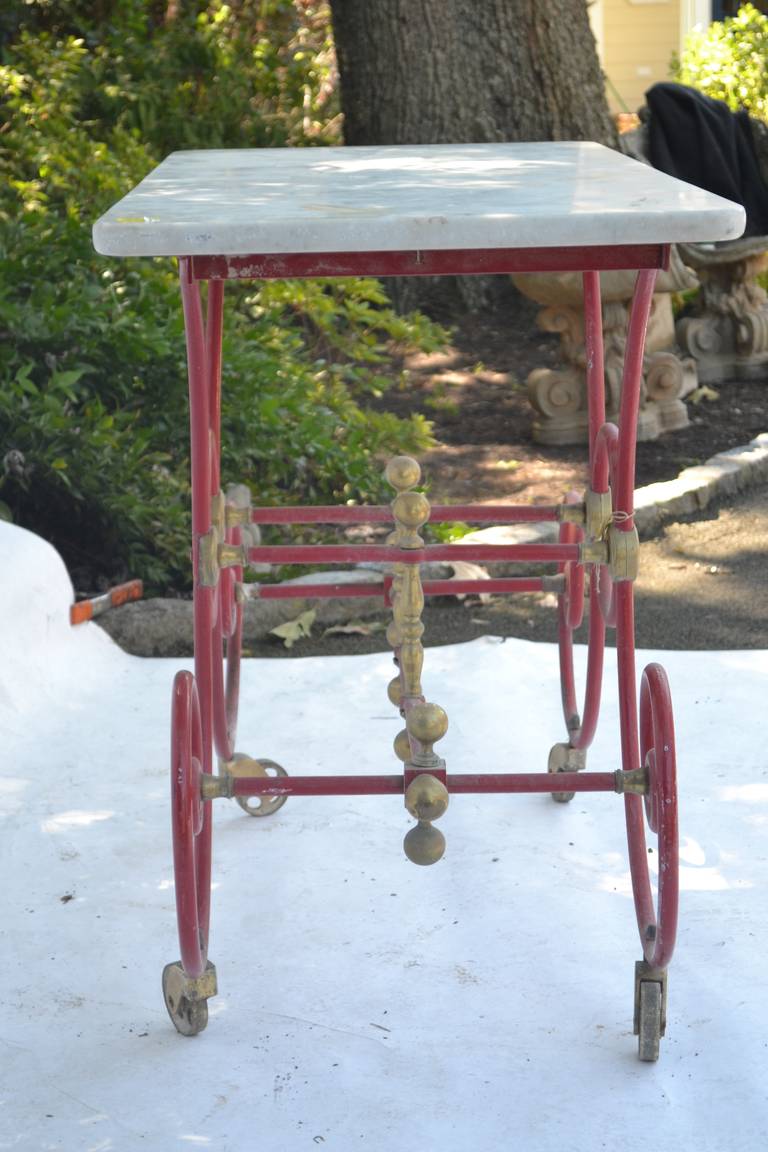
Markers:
{"x": 237, "y": 505}
{"x": 208, "y": 559}
{"x": 554, "y": 584}
{"x": 634, "y": 782}
{"x": 599, "y": 514}
{"x": 593, "y": 552}
{"x": 624, "y": 553}
{"x": 216, "y": 787}
{"x": 571, "y": 513}
{"x": 213, "y": 553}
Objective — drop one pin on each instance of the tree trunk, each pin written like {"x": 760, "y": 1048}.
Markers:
{"x": 468, "y": 71}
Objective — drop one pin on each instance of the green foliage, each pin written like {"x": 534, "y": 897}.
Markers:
{"x": 729, "y": 61}
{"x": 93, "y": 409}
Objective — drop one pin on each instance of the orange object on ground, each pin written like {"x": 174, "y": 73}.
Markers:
{"x": 120, "y": 594}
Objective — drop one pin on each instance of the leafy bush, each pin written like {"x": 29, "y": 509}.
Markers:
{"x": 93, "y": 409}
{"x": 729, "y": 61}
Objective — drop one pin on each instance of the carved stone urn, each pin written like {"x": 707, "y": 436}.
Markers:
{"x": 559, "y": 396}
{"x": 727, "y": 332}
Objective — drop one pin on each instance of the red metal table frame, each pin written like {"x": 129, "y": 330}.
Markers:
{"x": 597, "y": 540}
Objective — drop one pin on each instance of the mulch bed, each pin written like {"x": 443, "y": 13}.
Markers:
{"x": 474, "y": 393}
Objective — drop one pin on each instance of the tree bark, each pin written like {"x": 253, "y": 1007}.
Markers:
{"x": 468, "y": 71}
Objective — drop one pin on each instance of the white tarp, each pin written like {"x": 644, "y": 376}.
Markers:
{"x": 481, "y": 1004}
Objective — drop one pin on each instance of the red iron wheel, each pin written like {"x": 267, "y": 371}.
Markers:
{"x": 657, "y": 923}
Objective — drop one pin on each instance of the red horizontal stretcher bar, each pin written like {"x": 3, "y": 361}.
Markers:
{"x": 357, "y": 553}
{"x": 382, "y": 514}
{"x": 394, "y": 785}
{"x": 432, "y": 262}
{"x": 379, "y": 588}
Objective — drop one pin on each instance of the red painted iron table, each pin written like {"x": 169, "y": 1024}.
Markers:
{"x": 415, "y": 211}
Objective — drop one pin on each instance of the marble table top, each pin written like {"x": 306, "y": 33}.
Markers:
{"x": 305, "y": 200}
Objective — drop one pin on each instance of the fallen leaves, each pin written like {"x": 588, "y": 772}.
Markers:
{"x": 294, "y": 630}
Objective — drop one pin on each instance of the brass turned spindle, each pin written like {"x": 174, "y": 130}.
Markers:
{"x": 403, "y": 473}
{"x": 426, "y": 797}
{"x": 410, "y": 511}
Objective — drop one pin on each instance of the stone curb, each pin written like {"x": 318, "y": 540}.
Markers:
{"x": 162, "y": 627}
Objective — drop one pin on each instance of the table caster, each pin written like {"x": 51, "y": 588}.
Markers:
{"x": 563, "y": 758}
{"x": 650, "y": 1010}
{"x": 241, "y": 765}
{"x": 186, "y": 998}
{"x": 649, "y": 1020}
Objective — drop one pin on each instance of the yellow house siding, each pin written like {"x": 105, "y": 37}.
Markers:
{"x": 638, "y": 41}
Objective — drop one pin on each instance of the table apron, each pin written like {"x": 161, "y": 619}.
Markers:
{"x": 431, "y": 262}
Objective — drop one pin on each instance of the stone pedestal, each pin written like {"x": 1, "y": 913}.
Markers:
{"x": 559, "y": 396}
{"x": 727, "y": 332}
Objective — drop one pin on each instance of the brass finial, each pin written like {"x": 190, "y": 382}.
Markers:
{"x": 428, "y": 723}
{"x": 402, "y": 472}
{"x": 424, "y": 844}
{"x": 411, "y": 509}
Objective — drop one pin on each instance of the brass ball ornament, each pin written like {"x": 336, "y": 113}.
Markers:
{"x": 424, "y": 844}
{"x": 402, "y": 472}
{"x": 428, "y": 723}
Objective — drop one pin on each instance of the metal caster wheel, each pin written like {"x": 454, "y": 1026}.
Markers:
{"x": 650, "y": 1010}
{"x": 563, "y": 758}
{"x": 241, "y": 765}
{"x": 649, "y": 1027}
{"x": 187, "y": 999}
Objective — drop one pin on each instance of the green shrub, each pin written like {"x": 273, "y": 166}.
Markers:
{"x": 729, "y": 61}
{"x": 93, "y": 408}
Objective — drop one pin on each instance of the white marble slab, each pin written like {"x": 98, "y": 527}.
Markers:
{"x": 301, "y": 200}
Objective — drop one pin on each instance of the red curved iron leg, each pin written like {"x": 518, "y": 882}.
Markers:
{"x": 581, "y": 730}
{"x": 623, "y": 511}
{"x": 582, "y": 727}
{"x": 657, "y": 926}
{"x": 603, "y": 472}
{"x": 216, "y": 615}
{"x": 192, "y": 723}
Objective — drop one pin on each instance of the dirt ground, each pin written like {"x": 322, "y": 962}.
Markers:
{"x": 474, "y": 392}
